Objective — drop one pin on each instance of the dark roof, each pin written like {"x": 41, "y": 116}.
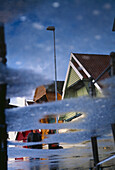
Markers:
{"x": 51, "y": 87}
{"x": 95, "y": 64}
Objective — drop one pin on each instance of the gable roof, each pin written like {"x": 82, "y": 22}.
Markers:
{"x": 88, "y": 66}
{"x": 95, "y": 64}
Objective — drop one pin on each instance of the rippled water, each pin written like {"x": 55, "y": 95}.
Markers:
{"x": 77, "y": 156}
{"x": 96, "y": 119}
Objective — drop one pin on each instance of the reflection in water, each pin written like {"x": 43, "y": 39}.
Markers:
{"x": 54, "y": 163}
{"x": 28, "y": 44}
{"x": 74, "y": 154}
{"x": 98, "y": 114}
{"x": 34, "y": 166}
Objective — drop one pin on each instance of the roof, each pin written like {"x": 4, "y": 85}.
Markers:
{"x": 41, "y": 91}
{"x": 95, "y": 64}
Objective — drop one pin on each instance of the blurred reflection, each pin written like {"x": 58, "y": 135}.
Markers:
{"x": 34, "y": 164}
{"x": 54, "y": 164}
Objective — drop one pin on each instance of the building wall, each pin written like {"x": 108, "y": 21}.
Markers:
{"x": 70, "y": 92}
{"x": 82, "y": 92}
{"x": 72, "y": 78}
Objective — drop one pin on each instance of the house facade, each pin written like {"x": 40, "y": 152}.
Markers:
{"x": 84, "y": 73}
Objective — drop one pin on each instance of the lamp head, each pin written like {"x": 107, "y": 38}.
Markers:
{"x": 51, "y": 28}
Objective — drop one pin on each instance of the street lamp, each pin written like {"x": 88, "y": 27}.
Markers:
{"x": 52, "y": 28}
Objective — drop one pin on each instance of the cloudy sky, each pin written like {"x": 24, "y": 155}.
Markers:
{"x": 82, "y": 26}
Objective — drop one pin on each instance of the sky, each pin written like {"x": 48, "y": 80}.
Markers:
{"x": 81, "y": 26}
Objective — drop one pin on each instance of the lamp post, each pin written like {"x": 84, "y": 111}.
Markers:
{"x": 52, "y": 28}
{"x": 112, "y": 55}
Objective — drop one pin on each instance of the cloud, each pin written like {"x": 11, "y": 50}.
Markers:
{"x": 48, "y": 48}
{"x": 86, "y": 39}
{"x": 96, "y": 12}
{"x": 107, "y": 6}
{"x": 79, "y": 17}
{"x": 18, "y": 62}
{"x": 23, "y": 18}
{"x": 38, "y": 68}
{"x": 38, "y": 26}
{"x": 40, "y": 45}
{"x": 97, "y": 37}
{"x": 56, "y": 4}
